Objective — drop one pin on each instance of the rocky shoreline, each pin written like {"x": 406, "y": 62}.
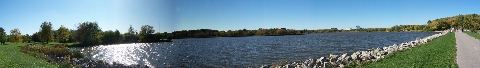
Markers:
{"x": 358, "y": 56}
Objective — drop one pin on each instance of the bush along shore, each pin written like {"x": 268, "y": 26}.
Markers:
{"x": 358, "y": 57}
{"x": 65, "y": 57}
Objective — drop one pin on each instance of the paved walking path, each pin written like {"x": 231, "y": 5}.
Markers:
{"x": 468, "y": 51}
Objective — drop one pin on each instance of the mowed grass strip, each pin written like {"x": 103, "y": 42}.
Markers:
{"x": 12, "y": 57}
{"x": 475, "y": 35}
{"x": 439, "y": 53}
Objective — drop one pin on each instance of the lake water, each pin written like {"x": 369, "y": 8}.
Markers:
{"x": 252, "y": 51}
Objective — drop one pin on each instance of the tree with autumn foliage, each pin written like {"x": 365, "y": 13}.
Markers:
{"x": 63, "y": 34}
{"x": 15, "y": 36}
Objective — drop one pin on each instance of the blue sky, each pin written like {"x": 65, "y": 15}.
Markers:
{"x": 173, "y": 15}
{"x": 28, "y": 15}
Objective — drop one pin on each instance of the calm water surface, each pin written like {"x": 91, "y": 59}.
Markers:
{"x": 252, "y": 51}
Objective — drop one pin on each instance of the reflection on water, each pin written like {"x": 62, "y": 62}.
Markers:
{"x": 251, "y": 51}
{"x": 134, "y": 54}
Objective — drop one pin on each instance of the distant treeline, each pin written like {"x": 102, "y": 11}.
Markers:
{"x": 89, "y": 33}
{"x": 206, "y": 33}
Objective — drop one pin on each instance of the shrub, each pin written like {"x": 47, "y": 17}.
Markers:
{"x": 77, "y": 54}
{"x": 65, "y": 64}
{"x": 100, "y": 61}
{"x": 57, "y": 50}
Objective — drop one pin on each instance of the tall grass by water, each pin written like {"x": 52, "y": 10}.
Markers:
{"x": 437, "y": 53}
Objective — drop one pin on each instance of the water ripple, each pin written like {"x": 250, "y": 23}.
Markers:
{"x": 244, "y": 51}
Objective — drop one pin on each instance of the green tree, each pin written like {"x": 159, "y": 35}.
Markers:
{"x": 72, "y": 37}
{"x": 15, "y": 36}
{"x": 108, "y": 37}
{"x": 54, "y": 36}
{"x": 46, "y": 33}
{"x": 63, "y": 34}
{"x": 111, "y": 37}
{"x": 35, "y": 37}
{"x": 145, "y": 32}
{"x": 88, "y": 33}
{"x": 118, "y": 37}
{"x": 27, "y": 38}
{"x": 3, "y": 36}
{"x": 130, "y": 36}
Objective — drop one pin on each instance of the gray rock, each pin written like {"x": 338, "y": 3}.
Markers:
{"x": 355, "y": 55}
{"x": 343, "y": 56}
{"x": 324, "y": 59}
{"x": 347, "y": 60}
{"x": 288, "y": 66}
{"x": 341, "y": 66}
{"x": 310, "y": 62}
{"x": 333, "y": 58}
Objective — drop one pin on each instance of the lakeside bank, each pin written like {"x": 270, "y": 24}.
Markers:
{"x": 277, "y": 45}
{"x": 12, "y": 57}
{"x": 360, "y": 58}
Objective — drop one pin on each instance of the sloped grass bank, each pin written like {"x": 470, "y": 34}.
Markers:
{"x": 440, "y": 52}
{"x": 12, "y": 57}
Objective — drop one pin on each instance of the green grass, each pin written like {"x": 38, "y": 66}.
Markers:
{"x": 475, "y": 35}
{"x": 439, "y": 53}
{"x": 12, "y": 57}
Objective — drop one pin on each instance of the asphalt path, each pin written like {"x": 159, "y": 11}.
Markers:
{"x": 468, "y": 51}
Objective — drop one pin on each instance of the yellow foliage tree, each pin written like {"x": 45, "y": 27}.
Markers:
{"x": 15, "y": 36}
{"x": 63, "y": 34}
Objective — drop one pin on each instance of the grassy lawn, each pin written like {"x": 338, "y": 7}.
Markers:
{"x": 440, "y": 52}
{"x": 12, "y": 57}
{"x": 475, "y": 35}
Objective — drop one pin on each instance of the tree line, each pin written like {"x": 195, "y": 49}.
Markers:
{"x": 87, "y": 33}
{"x": 467, "y": 21}
{"x": 397, "y": 28}
{"x": 205, "y": 33}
